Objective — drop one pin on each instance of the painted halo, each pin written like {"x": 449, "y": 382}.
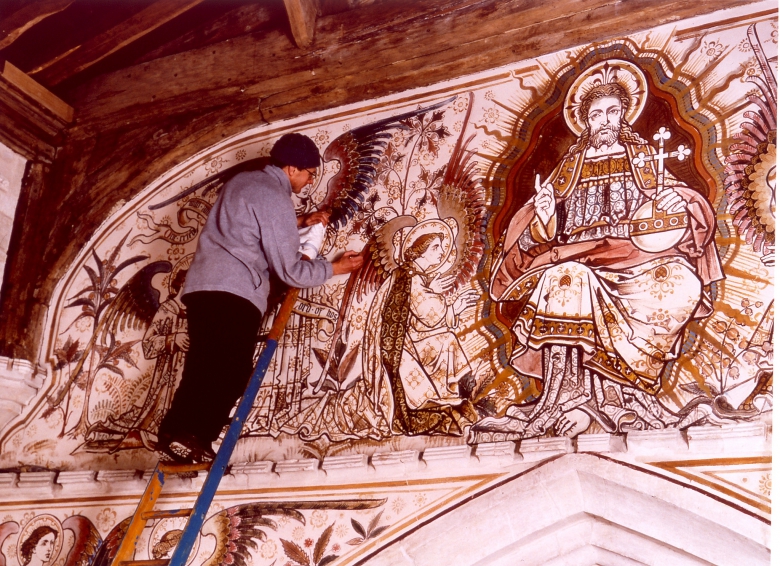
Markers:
{"x": 34, "y": 523}
{"x": 628, "y": 75}
{"x": 433, "y": 225}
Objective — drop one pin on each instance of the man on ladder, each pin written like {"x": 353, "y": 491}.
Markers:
{"x": 251, "y": 232}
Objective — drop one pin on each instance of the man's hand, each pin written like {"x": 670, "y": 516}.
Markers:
{"x": 182, "y": 340}
{"x": 669, "y": 201}
{"x": 347, "y": 263}
{"x": 312, "y": 218}
{"x": 544, "y": 201}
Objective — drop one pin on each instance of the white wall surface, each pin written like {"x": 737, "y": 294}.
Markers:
{"x": 11, "y": 173}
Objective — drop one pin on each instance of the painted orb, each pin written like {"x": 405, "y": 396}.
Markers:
{"x": 653, "y": 231}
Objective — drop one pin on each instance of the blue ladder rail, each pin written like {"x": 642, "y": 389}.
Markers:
{"x": 218, "y": 467}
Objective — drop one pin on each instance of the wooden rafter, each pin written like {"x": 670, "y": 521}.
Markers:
{"x": 25, "y": 18}
{"x": 110, "y": 41}
{"x": 303, "y": 16}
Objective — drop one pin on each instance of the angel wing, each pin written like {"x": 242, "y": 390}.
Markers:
{"x": 137, "y": 301}
{"x": 7, "y": 529}
{"x": 461, "y": 198}
{"x": 133, "y": 307}
{"x": 237, "y": 528}
{"x": 110, "y": 545}
{"x": 86, "y": 541}
{"x": 380, "y": 261}
{"x": 358, "y": 152}
{"x": 752, "y": 160}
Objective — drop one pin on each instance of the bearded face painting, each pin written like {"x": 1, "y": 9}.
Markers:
{"x": 608, "y": 237}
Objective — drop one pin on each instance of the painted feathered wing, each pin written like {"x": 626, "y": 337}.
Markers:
{"x": 358, "y": 152}
{"x": 86, "y": 541}
{"x": 752, "y": 162}
{"x": 461, "y": 199}
{"x": 136, "y": 302}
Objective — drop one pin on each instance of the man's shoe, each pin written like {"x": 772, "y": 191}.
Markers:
{"x": 185, "y": 449}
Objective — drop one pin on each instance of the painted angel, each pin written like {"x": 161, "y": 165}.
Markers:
{"x": 165, "y": 340}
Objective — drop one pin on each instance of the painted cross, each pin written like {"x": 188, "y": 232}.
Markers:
{"x": 661, "y": 136}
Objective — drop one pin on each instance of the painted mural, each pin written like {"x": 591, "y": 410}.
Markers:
{"x": 579, "y": 243}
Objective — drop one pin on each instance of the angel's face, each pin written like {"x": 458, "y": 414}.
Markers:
{"x": 44, "y": 547}
{"x": 431, "y": 256}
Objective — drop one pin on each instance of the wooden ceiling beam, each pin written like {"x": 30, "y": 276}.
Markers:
{"x": 303, "y": 17}
{"x": 23, "y": 19}
{"x": 363, "y": 55}
{"x": 98, "y": 48}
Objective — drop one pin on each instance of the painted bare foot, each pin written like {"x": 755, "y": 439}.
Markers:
{"x": 572, "y": 423}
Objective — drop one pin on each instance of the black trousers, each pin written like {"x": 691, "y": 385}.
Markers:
{"x": 223, "y": 332}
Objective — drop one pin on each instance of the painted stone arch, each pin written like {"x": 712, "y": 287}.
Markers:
{"x": 582, "y": 510}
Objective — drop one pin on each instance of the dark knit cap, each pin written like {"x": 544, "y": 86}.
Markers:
{"x": 296, "y": 150}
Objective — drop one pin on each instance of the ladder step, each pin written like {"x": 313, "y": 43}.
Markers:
{"x": 166, "y": 514}
{"x": 167, "y": 468}
{"x": 160, "y": 562}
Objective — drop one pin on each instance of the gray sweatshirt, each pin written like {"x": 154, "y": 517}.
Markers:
{"x": 250, "y": 230}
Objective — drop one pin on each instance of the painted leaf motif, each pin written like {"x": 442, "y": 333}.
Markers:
{"x": 379, "y": 530}
{"x": 327, "y": 560}
{"x": 322, "y": 544}
{"x": 295, "y": 553}
{"x": 355, "y": 541}
{"x": 348, "y": 363}
{"x": 374, "y": 522}
{"x": 358, "y": 528}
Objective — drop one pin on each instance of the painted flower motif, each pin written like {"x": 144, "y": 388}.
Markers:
{"x": 268, "y": 549}
{"x": 298, "y": 533}
{"x": 750, "y": 69}
{"x": 308, "y": 542}
{"x": 427, "y": 158}
{"x": 336, "y": 547}
{"x": 774, "y": 32}
{"x": 240, "y": 154}
{"x": 460, "y": 104}
{"x": 319, "y": 518}
{"x": 712, "y": 49}
{"x": 341, "y": 530}
{"x": 264, "y": 149}
{"x": 765, "y": 484}
{"x": 744, "y": 46}
{"x": 420, "y": 499}
{"x": 214, "y": 165}
{"x": 106, "y": 519}
{"x": 398, "y": 505}
{"x": 321, "y": 138}
{"x": 491, "y": 115}
{"x": 489, "y": 95}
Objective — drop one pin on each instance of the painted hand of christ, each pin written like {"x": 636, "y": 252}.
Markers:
{"x": 544, "y": 201}
{"x": 669, "y": 201}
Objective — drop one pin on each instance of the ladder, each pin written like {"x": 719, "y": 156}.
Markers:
{"x": 197, "y": 514}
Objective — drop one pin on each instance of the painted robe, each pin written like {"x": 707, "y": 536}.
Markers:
{"x": 581, "y": 282}
{"x": 413, "y": 360}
